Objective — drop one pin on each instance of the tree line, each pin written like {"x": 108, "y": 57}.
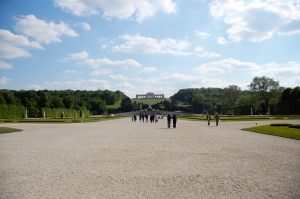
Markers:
{"x": 263, "y": 95}
{"x": 35, "y": 101}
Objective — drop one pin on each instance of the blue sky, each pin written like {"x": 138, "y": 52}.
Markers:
{"x": 140, "y": 46}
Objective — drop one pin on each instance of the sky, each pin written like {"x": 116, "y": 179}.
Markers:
{"x": 140, "y": 46}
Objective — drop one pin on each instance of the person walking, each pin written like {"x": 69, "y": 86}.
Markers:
{"x": 169, "y": 120}
{"x": 174, "y": 120}
{"x": 217, "y": 117}
{"x": 208, "y": 119}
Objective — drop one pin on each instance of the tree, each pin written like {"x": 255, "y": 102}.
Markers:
{"x": 57, "y": 102}
{"x": 68, "y": 101}
{"x": 126, "y": 104}
{"x": 285, "y": 95}
{"x": 265, "y": 86}
{"x": 295, "y": 93}
{"x": 230, "y": 95}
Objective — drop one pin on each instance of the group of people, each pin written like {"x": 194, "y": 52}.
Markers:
{"x": 174, "y": 118}
{"x": 217, "y": 118}
{"x": 153, "y": 118}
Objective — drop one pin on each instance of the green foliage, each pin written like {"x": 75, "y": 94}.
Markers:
{"x": 282, "y": 131}
{"x": 35, "y": 101}
{"x": 12, "y": 111}
{"x": 290, "y": 107}
{"x": 265, "y": 86}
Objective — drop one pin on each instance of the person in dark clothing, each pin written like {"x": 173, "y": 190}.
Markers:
{"x": 169, "y": 120}
{"x": 174, "y": 120}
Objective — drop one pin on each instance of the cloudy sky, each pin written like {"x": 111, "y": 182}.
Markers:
{"x": 140, "y": 46}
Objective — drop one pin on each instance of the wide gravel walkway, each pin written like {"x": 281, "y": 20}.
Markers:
{"x": 123, "y": 159}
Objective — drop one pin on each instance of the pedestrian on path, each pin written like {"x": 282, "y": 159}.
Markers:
{"x": 208, "y": 119}
{"x": 217, "y": 117}
{"x": 169, "y": 120}
{"x": 174, "y": 120}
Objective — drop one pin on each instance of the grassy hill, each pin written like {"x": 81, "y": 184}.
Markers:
{"x": 150, "y": 102}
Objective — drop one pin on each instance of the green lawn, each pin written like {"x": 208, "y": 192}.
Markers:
{"x": 150, "y": 102}
{"x": 8, "y": 130}
{"x": 282, "y": 131}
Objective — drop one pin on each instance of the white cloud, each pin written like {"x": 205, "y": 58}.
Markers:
{"x": 85, "y": 26}
{"x": 12, "y": 46}
{"x": 76, "y": 56}
{"x": 201, "y": 53}
{"x": 257, "y": 20}
{"x": 126, "y": 87}
{"x": 4, "y": 80}
{"x": 138, "y": 9}
{"x": 222, "y": 40}
{"x": 42, "y": 31}
{"x": 100, "y": 84}
{"x": 35, "y": 87}
{"x": 147, "y": 70}
{"x": 202, "y": 35}
{"x": 4, "y": 65}
{"x": 66, "y": 83}
{"x": 230, "y": 64}
{"x": 117, "y": 77}
{"x": 208, "y": 70}
{"x": 125, "y": 64}
{"x": 70, "y": 71}
{"x": 146, "y": 45}
{"x": 286, "y": 70}
{"x": 209, "y": 54}
{"x": 102, "y": 71}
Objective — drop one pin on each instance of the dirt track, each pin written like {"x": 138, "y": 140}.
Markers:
{"x": 121, "y": 159}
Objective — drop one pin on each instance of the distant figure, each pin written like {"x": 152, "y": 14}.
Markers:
{"x": 174, "y": 120}
{"x": 169, "y": 120}
{"x": 143, "y": 118}
{"x": 132, "y": 118}
{"x": 155, "y": 118}
{"x": 217, "y": 117}
{"x": 208, "y": 119}
{"x": 146, "y": 117}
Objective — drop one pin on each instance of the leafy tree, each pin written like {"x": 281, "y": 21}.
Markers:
{"x": 295, "y": 93}
{"x": 285, "y": 95}
{"x": 2, "y": 100}
{"x": 57, "y": 102}
{"x": 8, "y": 97}
{"x": 126, "y": 104}
{"x": 230, "y": 95}
{"x": 265, "y": 86}
{"x": 98, "y": 106}
{"x": 45, "y": 99}
{"x": 68, "y": 101}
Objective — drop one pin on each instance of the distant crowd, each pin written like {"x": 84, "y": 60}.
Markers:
{"x": 154, "y": 118}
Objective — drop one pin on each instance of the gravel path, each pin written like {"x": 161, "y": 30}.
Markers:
{"x": 123, "y": 159}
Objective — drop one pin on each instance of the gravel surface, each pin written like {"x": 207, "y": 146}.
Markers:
{"x": 124, "y": 159}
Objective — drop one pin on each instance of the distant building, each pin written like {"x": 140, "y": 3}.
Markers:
{"x": 150, "y": 95}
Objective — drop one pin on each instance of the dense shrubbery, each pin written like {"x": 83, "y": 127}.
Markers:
{"x": 13, "y": 104}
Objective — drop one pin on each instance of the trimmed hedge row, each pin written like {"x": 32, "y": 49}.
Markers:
{"x": 19, "y": 111}
{"x": 241, "y": 110}
{"x": 11, "y": 111}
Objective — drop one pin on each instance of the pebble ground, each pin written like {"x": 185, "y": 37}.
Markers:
{"x": 124, "y": 159}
